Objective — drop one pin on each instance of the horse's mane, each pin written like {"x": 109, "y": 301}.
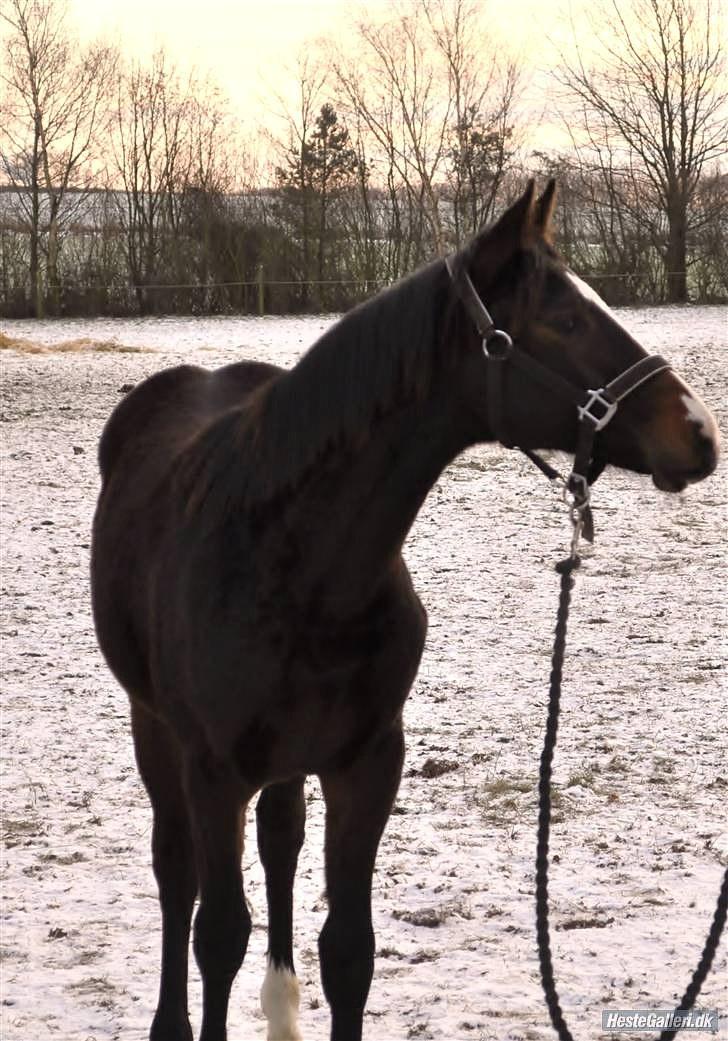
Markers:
{"x": 381, "y": 354}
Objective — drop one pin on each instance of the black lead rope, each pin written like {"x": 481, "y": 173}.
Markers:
{"x": 566, "y": 569}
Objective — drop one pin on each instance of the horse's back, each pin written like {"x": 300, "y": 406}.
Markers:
{"x": 138, "y": 455}
{"x": 165, "y": 411}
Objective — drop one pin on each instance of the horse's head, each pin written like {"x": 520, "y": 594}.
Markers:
{"x": 661, "y": 427}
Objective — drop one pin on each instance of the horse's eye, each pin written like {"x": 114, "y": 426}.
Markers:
{"x": 567, "y": 325}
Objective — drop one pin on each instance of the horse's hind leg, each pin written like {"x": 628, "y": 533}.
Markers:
{"x": 222, "y": 924}
{"x": 174, "y": 867}
{"x": 359, "y": 800}
{"x": 281, "y": 815}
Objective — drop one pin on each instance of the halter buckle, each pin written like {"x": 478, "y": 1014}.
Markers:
{"x": 497, "y": 336}
{"x": 601, "y": 400}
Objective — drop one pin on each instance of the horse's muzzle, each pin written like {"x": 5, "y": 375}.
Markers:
{"x": 693, "y": 465}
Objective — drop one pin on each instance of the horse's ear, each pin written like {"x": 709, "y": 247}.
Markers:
{"x": 513, "y": 230}
{"x": 544, "y": 210}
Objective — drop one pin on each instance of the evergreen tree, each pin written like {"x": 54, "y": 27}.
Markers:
{"x": 316, "y": 171}
{"x": 478, "y": 158}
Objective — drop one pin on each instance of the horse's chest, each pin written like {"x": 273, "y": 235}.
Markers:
{"x": 377, "y": 649}
{"x": 337, "y": 685}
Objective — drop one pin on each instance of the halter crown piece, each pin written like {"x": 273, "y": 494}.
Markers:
{"x": 595, "y": 408}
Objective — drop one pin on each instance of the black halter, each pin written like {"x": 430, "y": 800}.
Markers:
{"x": 595, "y": 408}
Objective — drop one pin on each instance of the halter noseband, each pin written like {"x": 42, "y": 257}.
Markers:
{"x": 595, "y": 408}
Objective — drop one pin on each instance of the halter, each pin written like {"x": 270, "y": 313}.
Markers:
{"x": 595, "y": 408}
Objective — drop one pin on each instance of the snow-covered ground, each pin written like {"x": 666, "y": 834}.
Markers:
{"x": 641, "y": 769}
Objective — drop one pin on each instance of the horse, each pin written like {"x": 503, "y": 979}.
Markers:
{"x": 250, "y": 595}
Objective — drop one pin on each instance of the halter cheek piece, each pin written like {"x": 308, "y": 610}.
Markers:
{"x": 595, "y": 408}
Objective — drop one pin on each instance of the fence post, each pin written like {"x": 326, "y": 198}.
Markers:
{"x": 261, "y": 290}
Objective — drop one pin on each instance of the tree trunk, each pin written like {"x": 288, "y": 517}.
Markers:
{"x": 321, "y": 289}
{"x": 36, "y": 294}
{"x": 36, "y": 289}
{"x": 54, "y": 292}
{"x": 305, "y": 252}
{"x": 676, "y": 254}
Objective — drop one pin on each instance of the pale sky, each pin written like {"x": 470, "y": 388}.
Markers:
{"x": 241, "y": 37}
{"x": 248, "y": 46}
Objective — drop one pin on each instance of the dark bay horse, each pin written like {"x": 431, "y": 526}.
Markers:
{"x": 250, "y": 595}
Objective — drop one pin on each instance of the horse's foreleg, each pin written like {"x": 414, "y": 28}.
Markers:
{"x": 174, "y": 867}
{"x": 281, "y": 816}
{"x": 222, "y": 924}
{"x": 359, "y": 800}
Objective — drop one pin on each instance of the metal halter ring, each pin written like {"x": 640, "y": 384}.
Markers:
{"x": 577, "y": 493}
{"x": 500, "y": 352}
{"x": 600, "y": 399}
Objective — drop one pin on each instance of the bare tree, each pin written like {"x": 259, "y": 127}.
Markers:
{"x": 708, "y": 244}
{"x": 437, "y": 105}
{"x": 174, "y": 152}
{"x": 300, "y": 124}
{"x": 394, "y": 86}
{"x": 482, "y": 89}
{"x": 359, "y": 216}
{"x": 208, "y": 178}
{"x": 653, "y": 108}
{"x": 52, "y": 111}
{"x": 149, "y": 148}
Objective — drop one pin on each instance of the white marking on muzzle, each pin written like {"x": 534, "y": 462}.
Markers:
{"x": 696, "y": 411}
{"x": 699, "y": 414}
{"x": 279, "y": 999}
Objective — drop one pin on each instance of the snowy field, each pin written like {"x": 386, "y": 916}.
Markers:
{"x": 641, "y": 768}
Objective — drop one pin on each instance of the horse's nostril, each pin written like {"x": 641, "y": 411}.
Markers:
{"x": 673, "y": 475}
{"x": 707, "y": 453}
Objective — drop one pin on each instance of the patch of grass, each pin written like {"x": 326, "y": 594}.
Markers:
{"x": 618, "y": 765}
{"x": 421, "y": 1030}
{"x": 585, "y": 777}
{"x": 437, "y": 767}
{"x": 586, "y": 922}
{"x": 432, "y": 917}
{"x": 63, "y": 859}
{"x": 427, "y": 917}
{"x": 504, "y": 800}
{"x": 81, "y": 345}
{"x": 479, "y": 465}
{"x": 18, "y": 829}
{"x": 93, "y": 985}
{"x": 505, "y": 785}
{"x": 663, "y": 763}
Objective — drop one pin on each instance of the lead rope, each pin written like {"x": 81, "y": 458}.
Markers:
{"x": 566, "y": 569}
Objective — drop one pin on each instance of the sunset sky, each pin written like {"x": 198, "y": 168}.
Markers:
{"x": 250, "y": 47}
{"x": 242, "y": 38}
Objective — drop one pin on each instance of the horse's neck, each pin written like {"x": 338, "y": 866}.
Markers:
{"x": 369, "y": 502}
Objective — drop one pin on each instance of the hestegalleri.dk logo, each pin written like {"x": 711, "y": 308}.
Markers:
{"x": 703, "y": 1019}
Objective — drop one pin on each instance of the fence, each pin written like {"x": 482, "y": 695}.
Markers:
{"x": 263, "y": 296}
